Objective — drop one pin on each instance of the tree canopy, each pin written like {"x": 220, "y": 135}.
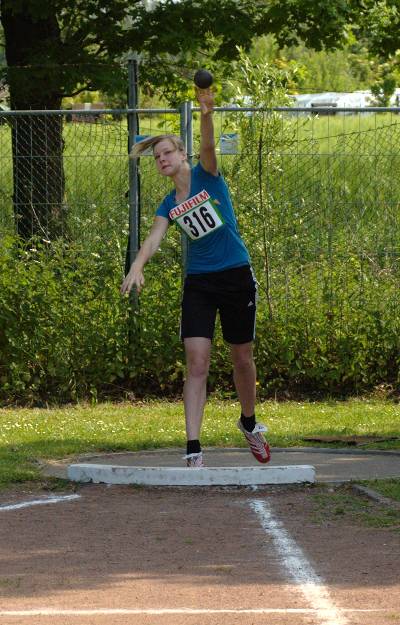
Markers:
{"x": 378, "y": 21}
{"x": 59, "y": 48}
{"x": 56, "y": 49}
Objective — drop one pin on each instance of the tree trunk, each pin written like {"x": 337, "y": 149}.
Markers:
{"x": 37, "y": 143}
{"x": 38, "y": 173}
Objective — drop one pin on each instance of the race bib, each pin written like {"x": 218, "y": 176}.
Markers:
{"x": 197, "y": 216}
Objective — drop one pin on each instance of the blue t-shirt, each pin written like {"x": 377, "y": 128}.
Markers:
{"x": 208, "y": 220}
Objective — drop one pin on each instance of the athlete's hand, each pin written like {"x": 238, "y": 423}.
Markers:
{"x": 205, "y": 98}
{"x": 135, "y": 278}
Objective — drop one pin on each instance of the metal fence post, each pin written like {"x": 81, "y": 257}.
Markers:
{"x": 189, "y": 133}
{"x": 186, "y": 129}
{"x": 133, "y": 128}
{"x": 134, "y": 207}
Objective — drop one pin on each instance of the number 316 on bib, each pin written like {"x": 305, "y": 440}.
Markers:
{"x": 199, "y": 220}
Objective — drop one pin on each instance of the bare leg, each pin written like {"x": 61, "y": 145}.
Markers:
{"x": 244, "y": 376}
{"x": 197, "y": 351}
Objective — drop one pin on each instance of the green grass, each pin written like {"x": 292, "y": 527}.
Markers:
{"x": 388, "y": 488}
{"x": 27, "y": 435}
{"x": 344, "y": 506}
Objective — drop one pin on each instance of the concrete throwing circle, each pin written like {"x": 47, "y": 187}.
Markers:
{"x": 232, "y": 465}
{"x": 182, "y": 476}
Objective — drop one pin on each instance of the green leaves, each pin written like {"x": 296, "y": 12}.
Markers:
{"x": 58, "y": 315}
{"x": 83, "y": 45}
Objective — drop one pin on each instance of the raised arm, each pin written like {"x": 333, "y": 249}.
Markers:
{"x": 149, "y": 247}
{"x": 208, "y": 157}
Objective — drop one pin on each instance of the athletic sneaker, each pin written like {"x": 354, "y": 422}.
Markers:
{"x": 194, "y": 461}
{"x": 257, "y": 443}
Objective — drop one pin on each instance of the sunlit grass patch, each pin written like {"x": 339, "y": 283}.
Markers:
{"x": 342, "y": 505}
{"x": 27, "y": 435}
{"x": 387, "y": 487}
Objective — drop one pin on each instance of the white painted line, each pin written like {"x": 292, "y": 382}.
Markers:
{"x": 39, "y": 502}
{"x": 162, "y": 611}
{"x": 298, "y": 568}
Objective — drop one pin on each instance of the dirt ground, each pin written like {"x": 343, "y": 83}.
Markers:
{"x": 136, "y": 549}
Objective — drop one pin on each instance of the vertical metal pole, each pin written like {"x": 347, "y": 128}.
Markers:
{"x": 186, "y": 128}
{"x": 133, "y": 128}
{"x": 189, "y": 132}
{"x": 183, "y": 122}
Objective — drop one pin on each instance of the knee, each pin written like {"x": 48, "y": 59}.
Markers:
{"x": 197, "y": 366}
{"x": 243, "y": 361}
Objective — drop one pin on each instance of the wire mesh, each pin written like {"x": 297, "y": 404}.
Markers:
{"x": 317, "y": 200}
{"x": 305, "y": 186}
{"x": 63, "y": 178}
{"x": 316, "y": 183}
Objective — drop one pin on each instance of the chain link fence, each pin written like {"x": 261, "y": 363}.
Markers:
{"x": 63, "y": 175}
{"x": 319, "y": 173}
{"x": 317, "y": 197}
{"x": 317, "y": 190}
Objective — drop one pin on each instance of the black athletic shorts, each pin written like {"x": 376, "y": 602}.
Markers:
{"x": 232, "y": 292}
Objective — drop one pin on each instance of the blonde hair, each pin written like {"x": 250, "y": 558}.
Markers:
{"x": 141, "y": 146}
